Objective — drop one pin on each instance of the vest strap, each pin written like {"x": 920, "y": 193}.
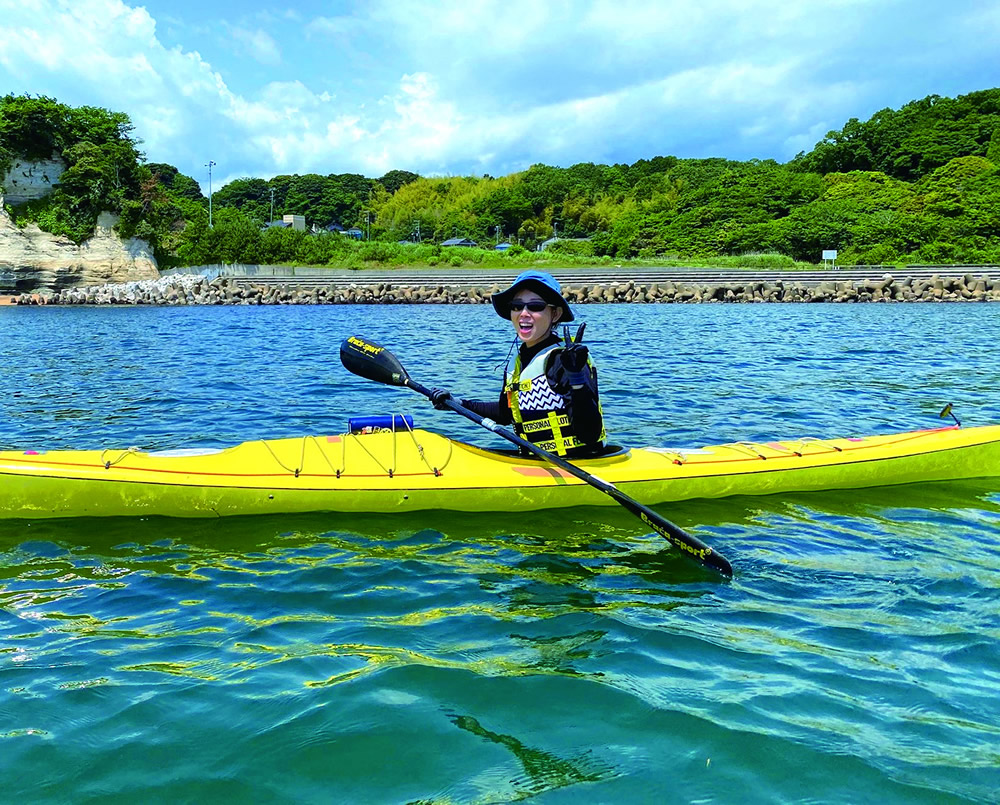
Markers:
{"x": 543, "y": 422}
{"x": 550, "y": 422}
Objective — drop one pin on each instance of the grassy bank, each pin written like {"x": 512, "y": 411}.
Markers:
{"x": 379, "y": 254}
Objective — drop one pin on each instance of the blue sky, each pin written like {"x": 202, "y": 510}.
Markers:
{"x": 475, "y": 86}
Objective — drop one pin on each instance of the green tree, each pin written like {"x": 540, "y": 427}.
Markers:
{"x": 395, "y": 179}
{"x": 33, "y": 127}
{"x": 175, "y": 182}
{"x": 993, "y": 149}
{"x": 910, "y": 142}
{"x": 250, "y": 196}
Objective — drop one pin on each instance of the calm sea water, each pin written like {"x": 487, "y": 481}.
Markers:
{"x": 556, "y": 657}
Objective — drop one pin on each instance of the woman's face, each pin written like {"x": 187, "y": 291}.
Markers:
{"x": 533, "y": 326}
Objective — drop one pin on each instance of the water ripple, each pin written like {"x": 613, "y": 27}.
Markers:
{"x": 457, "y": 658}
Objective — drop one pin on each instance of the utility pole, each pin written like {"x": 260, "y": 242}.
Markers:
{"x": 368, "y": 224}
{"x": 272, "y": 205}
{"x": 209, "y": 166}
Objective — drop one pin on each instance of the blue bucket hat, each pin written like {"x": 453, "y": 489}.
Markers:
{"x": 543, "y": 284}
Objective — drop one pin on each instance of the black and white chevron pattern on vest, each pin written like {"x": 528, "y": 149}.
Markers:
{"x": 541, "y": 397}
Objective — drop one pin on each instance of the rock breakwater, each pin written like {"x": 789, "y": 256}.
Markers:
{"x": 196, "y": 290}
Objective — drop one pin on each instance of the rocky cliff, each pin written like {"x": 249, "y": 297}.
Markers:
{"x": 27, "y": 181}
{"x": 33, "y": 260}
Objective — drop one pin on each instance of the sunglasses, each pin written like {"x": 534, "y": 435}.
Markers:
{"x": 534, "y": 306}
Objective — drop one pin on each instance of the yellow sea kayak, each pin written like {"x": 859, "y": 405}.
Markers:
{"x": 409, "y": 470}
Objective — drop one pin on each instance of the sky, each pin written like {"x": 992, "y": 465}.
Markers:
{"x": 473, "y": 87}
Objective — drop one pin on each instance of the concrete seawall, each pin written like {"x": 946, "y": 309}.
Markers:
{"x": 468, "y": 278}
{"x": 193, "y": 289}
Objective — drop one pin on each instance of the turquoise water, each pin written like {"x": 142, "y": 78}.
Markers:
{"x": 559, "y": 657}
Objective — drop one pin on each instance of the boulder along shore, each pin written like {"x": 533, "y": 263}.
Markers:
{"x": 197, "y": 290}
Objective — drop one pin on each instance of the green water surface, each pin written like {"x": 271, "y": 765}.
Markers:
{"x": 463, "y": 658}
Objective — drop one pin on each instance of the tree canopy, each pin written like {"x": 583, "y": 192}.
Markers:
{"x": 910, "y": 142}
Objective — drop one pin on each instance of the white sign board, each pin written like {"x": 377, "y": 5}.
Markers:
{"x": 829, "y": 254}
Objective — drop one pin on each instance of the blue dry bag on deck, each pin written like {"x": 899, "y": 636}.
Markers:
{"x": 374, "y": 424}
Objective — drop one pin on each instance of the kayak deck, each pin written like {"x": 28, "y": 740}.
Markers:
{"x": 411, "y": 470}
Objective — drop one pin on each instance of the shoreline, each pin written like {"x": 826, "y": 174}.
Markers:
{"x": 194, "y": 289}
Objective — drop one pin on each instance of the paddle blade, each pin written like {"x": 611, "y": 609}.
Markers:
{"x": 371, "y": 361}
{"x": 689, "y": 545}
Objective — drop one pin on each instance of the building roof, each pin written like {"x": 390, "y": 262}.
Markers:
{"x": 458, "y": 242}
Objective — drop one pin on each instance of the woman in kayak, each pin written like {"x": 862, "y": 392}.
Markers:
{"x": 551, "y": 397}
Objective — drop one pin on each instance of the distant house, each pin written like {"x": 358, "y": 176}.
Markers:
{"x": 287, "y": 222}
{"x": 502, "y": 247}
{"x": 353, "y": 232}
{"x": 459, "y": 242}
{"x": 295, "y": 222}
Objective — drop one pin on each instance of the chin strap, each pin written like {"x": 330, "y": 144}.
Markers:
{"x": 506, "y": 361}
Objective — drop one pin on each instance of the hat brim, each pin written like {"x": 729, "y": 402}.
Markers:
{"x": 501, "y": 301}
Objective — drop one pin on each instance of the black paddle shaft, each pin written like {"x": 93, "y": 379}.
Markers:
{"x": 688, "y": 544}
{"x": 367, "y": 359}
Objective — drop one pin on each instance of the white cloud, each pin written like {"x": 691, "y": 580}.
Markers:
{"x": 331, "y": 26}
{"x": 475, "y": 85}
{"x": 305, "y": 132}
{"x": 259, "y": 44}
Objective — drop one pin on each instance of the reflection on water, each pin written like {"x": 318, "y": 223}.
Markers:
{"x": 541, "y": 771}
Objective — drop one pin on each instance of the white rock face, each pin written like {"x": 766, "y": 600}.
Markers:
{"x": 33, "y": 260}
{"x": 28, "y": 181}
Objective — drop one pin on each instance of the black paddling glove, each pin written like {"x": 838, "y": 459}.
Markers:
{"x": 438, "y": 396}
{"x": 574, "y": 360}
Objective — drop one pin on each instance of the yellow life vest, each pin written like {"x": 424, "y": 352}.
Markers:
{"x": 540, "y": 413}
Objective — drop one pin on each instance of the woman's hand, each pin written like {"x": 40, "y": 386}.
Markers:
{"x": 438, "y": 396}
{"x": 574, "y": 358}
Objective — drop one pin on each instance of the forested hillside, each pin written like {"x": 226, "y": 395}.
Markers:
{"x": 104, "y": 172}
{"x": 918, "y": 184}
